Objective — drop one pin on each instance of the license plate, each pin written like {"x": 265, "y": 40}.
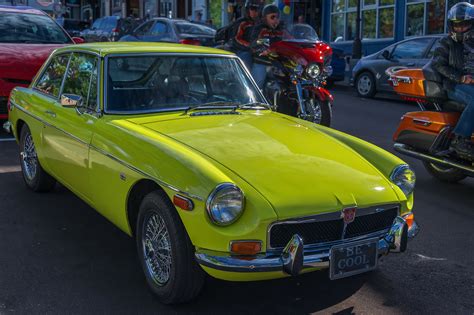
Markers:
{"x": 352, "y": 258}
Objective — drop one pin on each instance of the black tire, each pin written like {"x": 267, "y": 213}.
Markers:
{"x": 365, "y": 84}
{"x": 34, "y": 175}
{"x": 445, "y": 174}
{"x": 183, "y": 278}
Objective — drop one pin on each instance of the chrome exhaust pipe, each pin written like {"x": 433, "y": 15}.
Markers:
{"x": 404, "y": 149}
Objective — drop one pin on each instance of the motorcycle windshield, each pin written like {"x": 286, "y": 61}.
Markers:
{"x": 301, "y": 33}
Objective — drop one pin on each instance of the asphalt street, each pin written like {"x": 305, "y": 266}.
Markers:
{"x": 57, "y": 255}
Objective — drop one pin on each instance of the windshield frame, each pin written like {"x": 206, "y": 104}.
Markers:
{"x": 171, "y": 109}
{"x": 65, "y": 33}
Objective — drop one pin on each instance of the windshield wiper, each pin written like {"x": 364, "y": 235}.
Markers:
{"x": 227, "y": 105}
{"x": 254, "y": 105}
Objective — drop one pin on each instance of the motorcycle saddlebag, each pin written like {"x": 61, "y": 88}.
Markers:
{"x": 418, "y": 83}
{"x": 420, "y": 129}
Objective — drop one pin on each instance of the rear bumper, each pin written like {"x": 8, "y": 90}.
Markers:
{"x": 295, "y": 257}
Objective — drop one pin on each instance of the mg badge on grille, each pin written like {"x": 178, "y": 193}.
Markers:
{"x": 348, "y": 214}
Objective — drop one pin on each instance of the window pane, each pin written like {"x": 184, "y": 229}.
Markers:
{"x": 351, "y": 25}
{"x": 415, "y": 19}
{"x": 369, "y": 2}
{"x": 435, "y": 17}
{"x": 338, "y": 5}
{"x": 386, "y": 2}
{"x": 352, "y": 4}
{"x": 78, "y": 79}
{"x": 386, "y": 18}
{"x": 337, "y": 27}
{"x": 158, "y": 29}
{"x": 52, "y": 78}
{"x": 369, "y": 24}
{"x": 411, "y": 49}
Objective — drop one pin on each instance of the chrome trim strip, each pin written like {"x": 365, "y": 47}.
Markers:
{"x": 329, "y": 216}
{"x": 190, "y": 195}
{"x": 428, "y": 158}
{"x": 292, "y": 261}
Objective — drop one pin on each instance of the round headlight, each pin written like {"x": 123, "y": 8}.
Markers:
{"x": 404, "y": 177}
{"x": 225, "y": 204}
{"x": 313, "y": 71}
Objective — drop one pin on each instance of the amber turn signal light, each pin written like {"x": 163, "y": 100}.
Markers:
{"x": 183, "y": 202}
{"x": 409, "y": 219}
{"x": 245, "y": 247}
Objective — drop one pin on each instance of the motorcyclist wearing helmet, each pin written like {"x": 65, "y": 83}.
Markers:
{"x": 454, "y": 60}
{"x": 270, "y": 28}
{"x": 241, "y": 30}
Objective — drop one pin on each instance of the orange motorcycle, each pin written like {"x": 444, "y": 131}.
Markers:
{"x": 427, "y": 134}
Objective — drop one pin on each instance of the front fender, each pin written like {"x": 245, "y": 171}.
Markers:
{"x": 321, "y": 93}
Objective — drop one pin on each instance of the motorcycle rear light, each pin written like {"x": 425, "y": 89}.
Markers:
{"x": 190, "y": 42}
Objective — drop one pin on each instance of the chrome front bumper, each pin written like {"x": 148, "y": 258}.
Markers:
{"x": 296, "y": 257}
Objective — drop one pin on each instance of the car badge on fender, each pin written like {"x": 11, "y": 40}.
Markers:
{"x": 348, "y": 214}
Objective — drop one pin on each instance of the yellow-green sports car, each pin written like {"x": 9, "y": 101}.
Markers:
{"x": 176, "y": 146}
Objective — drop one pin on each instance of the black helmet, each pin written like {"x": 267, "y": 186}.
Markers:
{"x": 270, "y": 9}
{"x": 252, "y": 3}
{"x": 461, "y": 14}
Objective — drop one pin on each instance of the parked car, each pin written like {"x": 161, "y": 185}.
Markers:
{"x": 369, "y": 76}
{"x": 27, "y": 37}
{"x": 182, "y": 152}
{"x": 75, "y": 27}
{"x": 109, "y": 29}
{"x": 172, "y": 30}
{"x": 338, "y": 62}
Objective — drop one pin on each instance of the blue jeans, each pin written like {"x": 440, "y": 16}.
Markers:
{"x": 246, "y": 57}
{"x": 259, "y": 74}
{"x": 464, "y": 93}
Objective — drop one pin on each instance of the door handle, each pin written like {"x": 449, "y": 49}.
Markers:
{"x": 50, "y": 113}
{"x": 411, "y": 64}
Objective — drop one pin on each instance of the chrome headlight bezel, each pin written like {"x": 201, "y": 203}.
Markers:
{"x": 313, "y": 70}
{"x": 219, "y": 214}
{"x": 405, "y": 179}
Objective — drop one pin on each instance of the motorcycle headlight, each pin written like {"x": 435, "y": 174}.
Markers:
{"x": 313, "y": 71}
{"x": 225, "y": 204}
{"x": 404, "y": 177}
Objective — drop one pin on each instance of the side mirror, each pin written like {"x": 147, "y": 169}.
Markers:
{"x": 264, "y": 41}
{"x": 386, "y": 54}
{"x": 78, "y": 40}
{"x": 71, "y": 100}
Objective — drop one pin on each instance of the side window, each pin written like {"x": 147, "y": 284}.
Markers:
{"x": 412, "y": 49}
{"x": 432, "y": 50}
{"x": 142, "y": 30}
{"x": 81, "y": 79}
{"x": 97, "y": 23}
{"x": 51, "y": 79}
{"x": 158, "y": 29}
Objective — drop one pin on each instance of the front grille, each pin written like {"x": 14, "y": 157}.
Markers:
{"x": 313, "y": 232}
{"x": 3, "y": 105}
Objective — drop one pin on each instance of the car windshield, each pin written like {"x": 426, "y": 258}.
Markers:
{"x": 30, "y": 28}
{"x": 154, "y": 83}
{"x": 194, "y": 29}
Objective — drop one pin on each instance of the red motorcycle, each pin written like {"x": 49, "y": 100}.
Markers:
{"x": 426, "y": 134}
{"x": 297, "y": 77}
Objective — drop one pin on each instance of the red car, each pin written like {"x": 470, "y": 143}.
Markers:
{"x": 27, "y": 37}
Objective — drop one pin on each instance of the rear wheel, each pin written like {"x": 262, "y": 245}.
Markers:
{"x": 365, "y": 84}
{"x": 443, "y": 173}
{"x": 166, "y": 253}
{"x": 34, "y": 175}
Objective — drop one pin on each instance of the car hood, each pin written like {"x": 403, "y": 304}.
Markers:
{"x": 299, "y": 170}
{"x": 22, "y": 61}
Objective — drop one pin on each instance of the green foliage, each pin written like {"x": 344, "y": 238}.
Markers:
{"x": 216, "y": 12}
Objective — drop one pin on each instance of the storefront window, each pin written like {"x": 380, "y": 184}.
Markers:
{"x": 369, "y": 2}
{"x": 435, "y": 17}
{"x": 338, "y": 5}
{"x": 387, "y": 2}
{"x": 386, "y": 22}
{"x": 337, "y": 27}
{"x": 369, "y": 29}
{"x": 352, "y": 4}
{"x": 351, "y": 25}
{"x": 415, "y": 17}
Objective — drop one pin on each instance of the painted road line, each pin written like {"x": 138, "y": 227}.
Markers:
{"x": 10, "y": 169}
{"x": 7, "y": 139}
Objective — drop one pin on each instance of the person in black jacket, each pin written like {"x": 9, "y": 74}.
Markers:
{"x": 454, "y": 60}
{"x": 241, "y": 30}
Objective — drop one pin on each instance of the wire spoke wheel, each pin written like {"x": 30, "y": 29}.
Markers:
{"x": 313, "y": 110}
{"x": 29, "y": 159}
{"x": 156, "y": 245}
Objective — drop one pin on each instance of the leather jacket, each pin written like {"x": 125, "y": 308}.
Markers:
{"x": 240, "y": 34}
{"x": 448, "y": 60}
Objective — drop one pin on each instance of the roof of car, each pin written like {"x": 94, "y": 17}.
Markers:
{"x": 106, "y": 48}
{"x": 20, "y": 9}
